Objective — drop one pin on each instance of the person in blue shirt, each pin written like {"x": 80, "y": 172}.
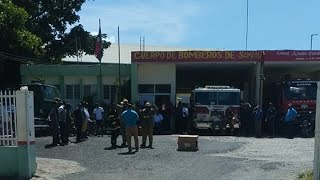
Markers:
{"x": 130, "y": 118}
{"x": 257, "y": 120}
{"x": 289, "y": 121}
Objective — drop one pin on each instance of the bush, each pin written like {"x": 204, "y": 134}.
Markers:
{"x": 307, "y": 175}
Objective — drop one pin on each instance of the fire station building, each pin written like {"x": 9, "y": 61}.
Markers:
{"x": 160, "y": 76}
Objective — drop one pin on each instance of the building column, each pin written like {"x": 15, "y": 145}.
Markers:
{"x": 257, "y": 83}
{"x": 62, "y": 87}
{"x": 81, "y": 89}
{"x": 134, "y": 83}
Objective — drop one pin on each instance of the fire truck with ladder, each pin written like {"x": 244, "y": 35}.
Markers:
{"x": 216, "y": 109}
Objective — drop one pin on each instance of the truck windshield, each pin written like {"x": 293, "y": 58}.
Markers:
{"x": 228, "y": 98}
{"x": 217, "y": 98}
{"x": 305, "y": 91}
{"x": 205, "y": 98}
{"x": 49, "y": 93}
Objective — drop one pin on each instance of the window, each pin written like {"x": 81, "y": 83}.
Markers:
{"x": 73, "y": 91}
{"x": 205, "y": 98}
{"x": 89, "y": 90}
{"x": 228, "y": 98}
{"x": 163, "y": 88}
{"x": 109, "y": 92}
{"x": 146, "y": 88}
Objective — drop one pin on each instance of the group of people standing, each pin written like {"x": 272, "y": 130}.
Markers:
{"x": 62, "y": 122}
{"x": 127, "y": 124}
{"x": 256, "y": 121}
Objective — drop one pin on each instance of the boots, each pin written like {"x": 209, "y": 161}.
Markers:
{"x": 143, "y": 145}
{"x": 150, "y": 146}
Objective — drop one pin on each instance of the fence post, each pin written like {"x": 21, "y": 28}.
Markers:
{"x": 25, "y": 133}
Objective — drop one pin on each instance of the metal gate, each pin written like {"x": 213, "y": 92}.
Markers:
{"x": 8, "y": 118}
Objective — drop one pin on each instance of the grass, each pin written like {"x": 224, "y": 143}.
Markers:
{"x": 306, "y": 175}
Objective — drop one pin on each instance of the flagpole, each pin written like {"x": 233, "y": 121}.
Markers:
{"x": 101, "y": 94}
{"x": 120, "y": 92}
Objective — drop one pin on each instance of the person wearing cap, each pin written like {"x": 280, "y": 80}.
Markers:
{"x": 124, "y": 107}
{"x": 289, "y": 121}
{"x": 147, "y": 124}
{"x": 130, "y": 119}
{"x": 98, "y": 114}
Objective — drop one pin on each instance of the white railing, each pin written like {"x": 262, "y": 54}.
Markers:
{"x": 8, "y": 118}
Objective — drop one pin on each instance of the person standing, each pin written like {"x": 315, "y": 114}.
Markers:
{"x": 98, "y": 114}
{"x": 53, "y": 116}
{"x": 148, "y": 124}
{"x": 62, "y": 122}
{"x": 289, "y": 121}
{"x": 79, "y": 118}
{"x": 114, "y": 122}
{"x": 185, "y": 119}
{"x": 178, "y": 117}
{"x": 158, "y": 119}
{"x": 68, "y": 121}
{"x": 124, "y": 107}
{"x": 271, "y": 118}
{"x": 257, "y": 120}
{"x": 130, "y": 119}
{"x": 85, "y": 121}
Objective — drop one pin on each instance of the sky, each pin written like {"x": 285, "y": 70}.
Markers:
{"x": 210, "y": 24}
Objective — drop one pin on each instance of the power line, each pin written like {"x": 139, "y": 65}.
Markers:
{"x": 247, "y": 24}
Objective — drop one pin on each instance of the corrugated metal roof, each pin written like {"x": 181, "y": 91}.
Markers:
{"x": 111, "y": 54}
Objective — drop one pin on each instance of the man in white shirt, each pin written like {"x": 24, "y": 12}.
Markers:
{"x": 98, "y": 114}
{"x": 158, "y": 118}
{"x": 185, "y": 117}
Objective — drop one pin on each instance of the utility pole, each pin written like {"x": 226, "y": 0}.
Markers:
{"x": 316, "y": 162}
{"x": 247, "y": 24}
{"x": 120, "y": 94}
{"x": 312, "y": 40}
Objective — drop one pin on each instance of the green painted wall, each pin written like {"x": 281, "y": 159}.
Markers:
{"x": 8, "y": 161}
{"x": 17, "y": 161}
{"x": 27, "y": 160}
{"x": 75, "y": 70}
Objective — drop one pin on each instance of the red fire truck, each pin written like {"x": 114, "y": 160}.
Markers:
{"x": 302, "y": 95}
{"x": 216, "y": 109}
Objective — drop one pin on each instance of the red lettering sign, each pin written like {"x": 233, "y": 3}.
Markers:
{"x": 233, "y": 56}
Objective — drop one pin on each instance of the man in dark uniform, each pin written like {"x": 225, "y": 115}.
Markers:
{"x": 54, "y": 124}
{"x": 271, "y": 118}
{"x": 114, "y": 122}
{"x": 147, "y": 124}
{"x": 79, "y": 118}
{"x": 68, "y": 122}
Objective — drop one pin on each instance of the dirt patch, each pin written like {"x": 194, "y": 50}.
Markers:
{"x": 54, "y": 169}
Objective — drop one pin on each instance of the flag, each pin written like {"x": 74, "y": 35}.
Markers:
{"x": 98, "y": 51}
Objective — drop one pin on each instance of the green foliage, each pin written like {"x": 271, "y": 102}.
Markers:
{"x": 15, "y": 37}
{"x": 307, "y": 175}
{"x": 37, "y": 28}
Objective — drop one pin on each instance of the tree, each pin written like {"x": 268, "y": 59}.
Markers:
{"x": 15, "y": 38}
{"x": 49, "y": 20}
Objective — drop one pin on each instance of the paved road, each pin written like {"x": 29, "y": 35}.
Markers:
{"x": 218, "y": 158}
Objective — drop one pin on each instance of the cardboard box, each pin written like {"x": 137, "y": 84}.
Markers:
{"x": 187, "y": 143}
